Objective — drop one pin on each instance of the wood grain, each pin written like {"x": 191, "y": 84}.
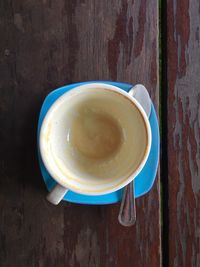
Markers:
{"x": 183, "y": 49}
{"x": 47, "y": 44}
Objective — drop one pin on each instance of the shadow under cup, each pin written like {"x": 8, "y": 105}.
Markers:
{"x": 94, "y": 140}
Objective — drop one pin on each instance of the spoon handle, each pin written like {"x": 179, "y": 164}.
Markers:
{"x": 127, "y": 213}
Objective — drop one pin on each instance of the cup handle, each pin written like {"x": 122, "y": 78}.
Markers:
{"x": 57, "y": 194}
{"x": 140, "y": 93}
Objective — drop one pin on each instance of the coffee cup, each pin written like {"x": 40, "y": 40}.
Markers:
{"x": 94, "y": 140}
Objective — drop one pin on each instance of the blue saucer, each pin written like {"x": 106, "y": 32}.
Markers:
{"x": 142, "y": 183}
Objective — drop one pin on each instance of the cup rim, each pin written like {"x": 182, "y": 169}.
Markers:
{"x": 126, "y": 180}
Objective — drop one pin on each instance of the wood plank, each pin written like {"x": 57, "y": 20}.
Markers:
{"x": 47, "y": 44}
{"x": 183, "y": 49}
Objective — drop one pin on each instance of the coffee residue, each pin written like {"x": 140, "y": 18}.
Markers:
{"x": 95, "y": 135}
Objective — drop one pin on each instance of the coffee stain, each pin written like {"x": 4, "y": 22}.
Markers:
{"x": 95, "y": 135}
{"x": 47, "y": 133}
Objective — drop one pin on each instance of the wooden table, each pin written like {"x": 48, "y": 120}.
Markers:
{"x": 47, "y": 44}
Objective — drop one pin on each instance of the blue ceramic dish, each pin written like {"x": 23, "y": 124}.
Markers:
{"x": 142, "y": 183}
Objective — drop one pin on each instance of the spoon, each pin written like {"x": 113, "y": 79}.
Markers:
{"x": 127, "y": 212}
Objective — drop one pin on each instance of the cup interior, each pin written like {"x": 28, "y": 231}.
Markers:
{"x": 93, "y": 139}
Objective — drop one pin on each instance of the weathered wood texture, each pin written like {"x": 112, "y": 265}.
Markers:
{"x": 43, "y": 45}
{"x": 183, "y": 48}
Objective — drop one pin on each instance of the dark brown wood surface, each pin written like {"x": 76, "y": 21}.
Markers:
{"x": 183, "y": 73}
{"x": 47, "y": 44}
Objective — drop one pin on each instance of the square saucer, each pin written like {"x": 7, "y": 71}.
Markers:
{"x": 143, "y": 182}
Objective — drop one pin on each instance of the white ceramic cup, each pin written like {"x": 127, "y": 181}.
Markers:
{"x": 94, "y": 140}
